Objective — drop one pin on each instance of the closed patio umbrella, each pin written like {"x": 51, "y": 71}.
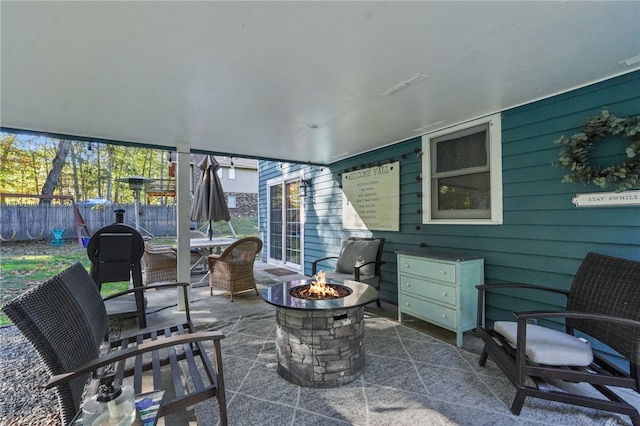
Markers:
{"x": 209, "y": 203}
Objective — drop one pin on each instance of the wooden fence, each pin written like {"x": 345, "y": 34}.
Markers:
{"x": 34, "y": 222}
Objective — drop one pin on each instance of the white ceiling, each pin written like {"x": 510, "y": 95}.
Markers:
{"x": 299, "y": 81}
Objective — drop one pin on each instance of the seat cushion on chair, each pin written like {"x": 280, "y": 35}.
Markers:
{"x": 355, "y": 253}
{"x": 547, "y": 346}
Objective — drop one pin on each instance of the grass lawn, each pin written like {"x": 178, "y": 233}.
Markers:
{"x": 24, "y": 264}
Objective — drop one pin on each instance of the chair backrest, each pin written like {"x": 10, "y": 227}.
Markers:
{"x": 65, "y": 320}
{"x": 610, "y": 286}
{"x": 194, "y": 233}
{"x": 242, "y": 251}
{"x": 356, "y": 250}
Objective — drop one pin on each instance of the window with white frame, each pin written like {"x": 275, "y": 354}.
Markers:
{"x": 462, "y": 171}
{"x": 231, "y": 201}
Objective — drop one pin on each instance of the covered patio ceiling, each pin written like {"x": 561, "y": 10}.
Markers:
{"x": 298, "y": 81}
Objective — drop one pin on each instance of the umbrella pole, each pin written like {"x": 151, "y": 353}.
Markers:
{"x": 210, "y": 231}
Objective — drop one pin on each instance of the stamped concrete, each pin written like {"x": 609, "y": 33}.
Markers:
{"x": 413, "y": 375}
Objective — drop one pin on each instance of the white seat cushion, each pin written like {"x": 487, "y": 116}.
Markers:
{"x": 547, "y": 346}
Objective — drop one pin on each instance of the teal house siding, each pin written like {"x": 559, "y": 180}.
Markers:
{"x": 543, "y": 237}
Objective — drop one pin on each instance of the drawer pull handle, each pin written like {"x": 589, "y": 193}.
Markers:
{"x": 408, "y": 284}
{"x": 443, "y": 316}
{"x": 444, "y": 293}
{"x": 406, "y": 265}
{"x": 408, "y": 303}
{"x": 442, "y": 272}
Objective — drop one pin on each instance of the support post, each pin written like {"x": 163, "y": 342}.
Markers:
{"x": 183, "y": 201}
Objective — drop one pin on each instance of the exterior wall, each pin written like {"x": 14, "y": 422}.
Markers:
{"x": 543, "y": 238}
{"x": 244, "y": 186}
{"x": 246, "y": 204}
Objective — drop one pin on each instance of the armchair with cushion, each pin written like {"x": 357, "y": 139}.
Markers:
{"x": 232, "y": 270}
{"x": 160, "y": 263}
{"x": 360, "y": 260}
{"x": 603, "y": 303}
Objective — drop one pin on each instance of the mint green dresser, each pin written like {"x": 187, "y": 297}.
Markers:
{"x": 439, "y": 287}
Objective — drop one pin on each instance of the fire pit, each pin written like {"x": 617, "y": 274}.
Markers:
{"x": 319, "y": 340}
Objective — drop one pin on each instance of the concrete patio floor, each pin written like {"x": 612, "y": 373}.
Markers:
{"x": 414, "y": 374}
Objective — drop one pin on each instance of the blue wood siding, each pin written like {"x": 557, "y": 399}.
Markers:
{"x": 268, "y": 170}
{"x": 543, "y": 238}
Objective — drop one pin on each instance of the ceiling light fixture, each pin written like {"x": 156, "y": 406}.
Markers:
{"x": 423, "y": 128}
{"x": 630, "y": 61}
{"x": 404, "y": 84}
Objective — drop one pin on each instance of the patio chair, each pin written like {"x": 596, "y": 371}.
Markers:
{"x": 66, "y": 321}
{"x": 160, "y": 264}
{"x": 360, "y": 260}
{"x": 604, "y": 304}
{"x": 232, "y": 270}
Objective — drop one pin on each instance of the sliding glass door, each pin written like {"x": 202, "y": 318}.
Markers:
{"x": 285, "y": 226}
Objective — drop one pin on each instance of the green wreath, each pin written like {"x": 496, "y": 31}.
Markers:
{"x": 575, "y": 153}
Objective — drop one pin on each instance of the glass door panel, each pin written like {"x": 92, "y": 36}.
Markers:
{"x": 275, "y": 222}
{"x": 285, "y": 229}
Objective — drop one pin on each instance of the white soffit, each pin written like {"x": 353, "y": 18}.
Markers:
{"x": 296, "y": 81}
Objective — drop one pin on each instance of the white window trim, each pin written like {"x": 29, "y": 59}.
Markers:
{"x": 283, "y": 179}
{"x": 495, "y": 158}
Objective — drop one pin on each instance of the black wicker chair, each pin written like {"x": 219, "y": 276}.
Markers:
{"x": 360, "y": 260}
{"x": 66, "y": 321}
{"x": 603, "y": 303}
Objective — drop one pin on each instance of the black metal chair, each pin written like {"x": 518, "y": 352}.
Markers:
{"x": 66, "y": 321}
{"x": 604, "y": 304}
{"x": 360, "y": 260}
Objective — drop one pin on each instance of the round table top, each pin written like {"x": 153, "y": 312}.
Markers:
{"x": 278, "y": 295}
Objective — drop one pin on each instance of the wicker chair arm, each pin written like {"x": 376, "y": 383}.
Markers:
{"x": 484, "y": 288}
{"x": 134, "y": 351}
{"x": 161, "y": 250}
{"x": 524, "y": 316}
{"x": 314, "y": 264}
{"x": 212, "y": 259}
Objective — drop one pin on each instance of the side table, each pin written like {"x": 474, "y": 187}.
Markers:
{"x": 147, "y": 408}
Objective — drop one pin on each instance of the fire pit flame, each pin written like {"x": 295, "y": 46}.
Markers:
{"x": 319, "y": 289}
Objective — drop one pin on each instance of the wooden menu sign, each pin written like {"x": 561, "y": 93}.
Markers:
{"x": 371, "y": 198}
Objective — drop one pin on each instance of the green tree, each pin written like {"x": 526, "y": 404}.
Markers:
{"x": 64, "y": 146}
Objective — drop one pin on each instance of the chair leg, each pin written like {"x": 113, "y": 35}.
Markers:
{"x": 518, "y": 401}
{"x": 483, "y": 357}
{"x": 378, "y": 302}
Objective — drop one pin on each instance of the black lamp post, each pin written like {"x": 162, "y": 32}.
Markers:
{"x": 136, "y": 183}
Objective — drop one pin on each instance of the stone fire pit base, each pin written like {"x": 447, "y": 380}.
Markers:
{"x": 320, "y": 348}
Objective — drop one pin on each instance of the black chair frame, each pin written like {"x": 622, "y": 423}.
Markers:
{"x": 603, "y": 303}
{"x": 357, "y": 269}
{"x": 66, "y": 321}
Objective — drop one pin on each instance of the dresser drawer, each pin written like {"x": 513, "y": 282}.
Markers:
{"x": 431, "y": 312}
{"x": 428, "y": 269}
{"x": 439, "y": 292}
